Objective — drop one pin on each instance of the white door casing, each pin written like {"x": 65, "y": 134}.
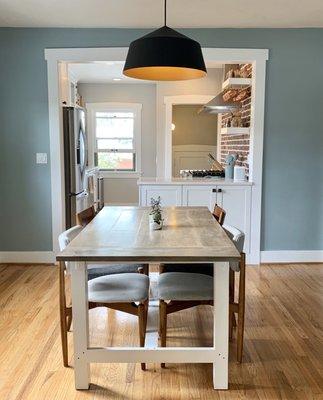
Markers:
{"x": 257, "y": 57}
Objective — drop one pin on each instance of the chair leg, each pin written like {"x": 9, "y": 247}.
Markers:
{"x": 146, "y": 315}
{"x": 241, "y": 308}
{"x": 230, "y": 326}
{"x": 142, "y": 328}
{"x": 62, "y": 312}
{"x": 163, "y": 324}
{"x": 69, "y": 320}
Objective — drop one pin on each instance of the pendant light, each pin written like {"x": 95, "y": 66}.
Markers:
{"x": 165, "y": 55}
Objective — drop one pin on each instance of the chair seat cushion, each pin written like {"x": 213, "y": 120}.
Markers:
{"x": 95, "y": 270}
{"x": 206, "y": 269}
{"x": 118, "y": 288}
{"x": 185, "y": 286}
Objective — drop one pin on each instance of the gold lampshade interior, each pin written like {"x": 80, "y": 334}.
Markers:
{"x": 164, "y": 73}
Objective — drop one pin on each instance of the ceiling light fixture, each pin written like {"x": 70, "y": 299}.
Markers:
{"x": 116, "y": 79}
{"x": 165, "y": 55}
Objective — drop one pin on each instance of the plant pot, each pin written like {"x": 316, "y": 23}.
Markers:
{"x": 155, "y": 226}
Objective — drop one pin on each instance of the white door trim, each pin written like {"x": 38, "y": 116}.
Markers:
{"x": 258, "y": 58}
{"x": 53, "y": 56}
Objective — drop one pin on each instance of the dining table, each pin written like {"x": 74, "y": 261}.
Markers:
{"x": 123, "y": 235}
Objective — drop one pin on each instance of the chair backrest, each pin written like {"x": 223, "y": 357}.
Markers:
{"x": 66, "y": 237}
{"x": 237, "y": 238}
{"x": 219, "y": 214}
{"x": 85, "y": 216}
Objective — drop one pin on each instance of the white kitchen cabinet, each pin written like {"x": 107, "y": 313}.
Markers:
{"x": 171, "y": 195}
{"x": 197, "y": 196}
{"x": 236, "y": 201}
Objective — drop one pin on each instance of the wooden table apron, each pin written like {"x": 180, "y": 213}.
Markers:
{"x": 122, "y": 235}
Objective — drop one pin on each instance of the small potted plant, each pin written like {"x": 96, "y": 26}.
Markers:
{"x": 155, "y": 215}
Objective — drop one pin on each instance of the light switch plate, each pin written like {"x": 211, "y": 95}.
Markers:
{"x": 41, "y": 158}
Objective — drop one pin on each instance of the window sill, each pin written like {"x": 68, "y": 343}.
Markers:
{"x": 119, "y": 174}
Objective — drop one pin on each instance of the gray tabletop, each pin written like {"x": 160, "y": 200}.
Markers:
{"x": 121, "y": 234}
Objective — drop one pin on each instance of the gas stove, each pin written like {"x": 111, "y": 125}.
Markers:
{"x": 202, "y": 173}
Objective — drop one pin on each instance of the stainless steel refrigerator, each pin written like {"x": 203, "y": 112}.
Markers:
{"x": 75, "y": 162}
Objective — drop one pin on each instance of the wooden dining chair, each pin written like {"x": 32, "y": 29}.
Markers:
{"x": 182, "y": 290}
{"x": 219, "y": 214}
{"x": 85, "y": 216}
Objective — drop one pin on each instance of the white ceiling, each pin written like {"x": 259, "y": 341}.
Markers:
{"x": 149, "y": 13}
{"x": 107, "y": 72}
{"x": 100, "y": 72}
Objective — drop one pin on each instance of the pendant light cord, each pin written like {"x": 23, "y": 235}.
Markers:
{"x": 165, "y": 12}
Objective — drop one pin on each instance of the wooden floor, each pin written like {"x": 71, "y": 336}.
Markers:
{"x": 283, "y": 343}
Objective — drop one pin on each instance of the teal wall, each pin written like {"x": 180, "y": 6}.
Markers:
{"x": 293, "y": 150}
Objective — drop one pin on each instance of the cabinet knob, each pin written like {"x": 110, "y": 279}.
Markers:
{"x": 219, "y": 190}
{"x": 214, "y": 191}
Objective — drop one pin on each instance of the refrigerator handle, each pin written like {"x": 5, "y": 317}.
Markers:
{"x": 75, "y": 194}
{"x": 78, "y": 156}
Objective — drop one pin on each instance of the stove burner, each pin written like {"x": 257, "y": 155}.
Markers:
{"x": 202, "y": 173}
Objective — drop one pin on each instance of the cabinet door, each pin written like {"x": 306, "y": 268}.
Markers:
{"x": 236, "y": 201}
{"x": 197, "y": 196}
{"x": 171, "y": 195}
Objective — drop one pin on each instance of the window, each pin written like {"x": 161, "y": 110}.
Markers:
{"x": 116, "y": 131}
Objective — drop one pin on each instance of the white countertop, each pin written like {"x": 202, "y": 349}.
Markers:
{"x": 192, "y": 181}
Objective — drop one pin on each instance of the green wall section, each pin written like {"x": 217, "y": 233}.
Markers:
{"x": 293, "y": 148}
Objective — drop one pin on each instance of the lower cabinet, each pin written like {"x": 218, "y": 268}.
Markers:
{"x": 171, "y": 195}
{"x": 235, "y": 199}
{"x": 197, "y": 196}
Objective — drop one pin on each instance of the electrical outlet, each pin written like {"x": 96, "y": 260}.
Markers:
{"x": 41, "y": 158}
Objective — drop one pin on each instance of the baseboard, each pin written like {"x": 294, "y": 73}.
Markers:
{"x": 35, "y": 257}
{"x": 290, "y": 256}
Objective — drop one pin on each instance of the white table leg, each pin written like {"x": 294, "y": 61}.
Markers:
{"x": 221, "y": 325}
{"x": 80, "y": 324}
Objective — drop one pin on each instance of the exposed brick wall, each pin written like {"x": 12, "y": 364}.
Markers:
{"x": 238, "y": 144}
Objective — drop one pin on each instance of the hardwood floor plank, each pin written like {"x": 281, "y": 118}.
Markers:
{"x": 283, "y": 356}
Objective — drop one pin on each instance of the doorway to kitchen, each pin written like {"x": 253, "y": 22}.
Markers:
{"x": 256, "y": 57}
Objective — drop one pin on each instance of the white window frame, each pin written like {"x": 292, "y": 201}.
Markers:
{"x": 136, "y": 108}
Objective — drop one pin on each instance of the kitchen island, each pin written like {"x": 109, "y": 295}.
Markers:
{"x": 235, "y": 197}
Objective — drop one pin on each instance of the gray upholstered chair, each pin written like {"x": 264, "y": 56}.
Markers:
{"x": 119, "y": 287}
{"x": 181, "y": 290}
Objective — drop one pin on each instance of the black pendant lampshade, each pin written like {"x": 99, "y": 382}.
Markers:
{"x": 165, "y": 55}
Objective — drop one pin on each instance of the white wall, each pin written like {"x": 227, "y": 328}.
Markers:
{"x": 210, "y": 85}
{"x": 124, "y": 190}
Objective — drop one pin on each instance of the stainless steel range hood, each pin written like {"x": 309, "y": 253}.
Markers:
{"x": 218, "y": 105}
